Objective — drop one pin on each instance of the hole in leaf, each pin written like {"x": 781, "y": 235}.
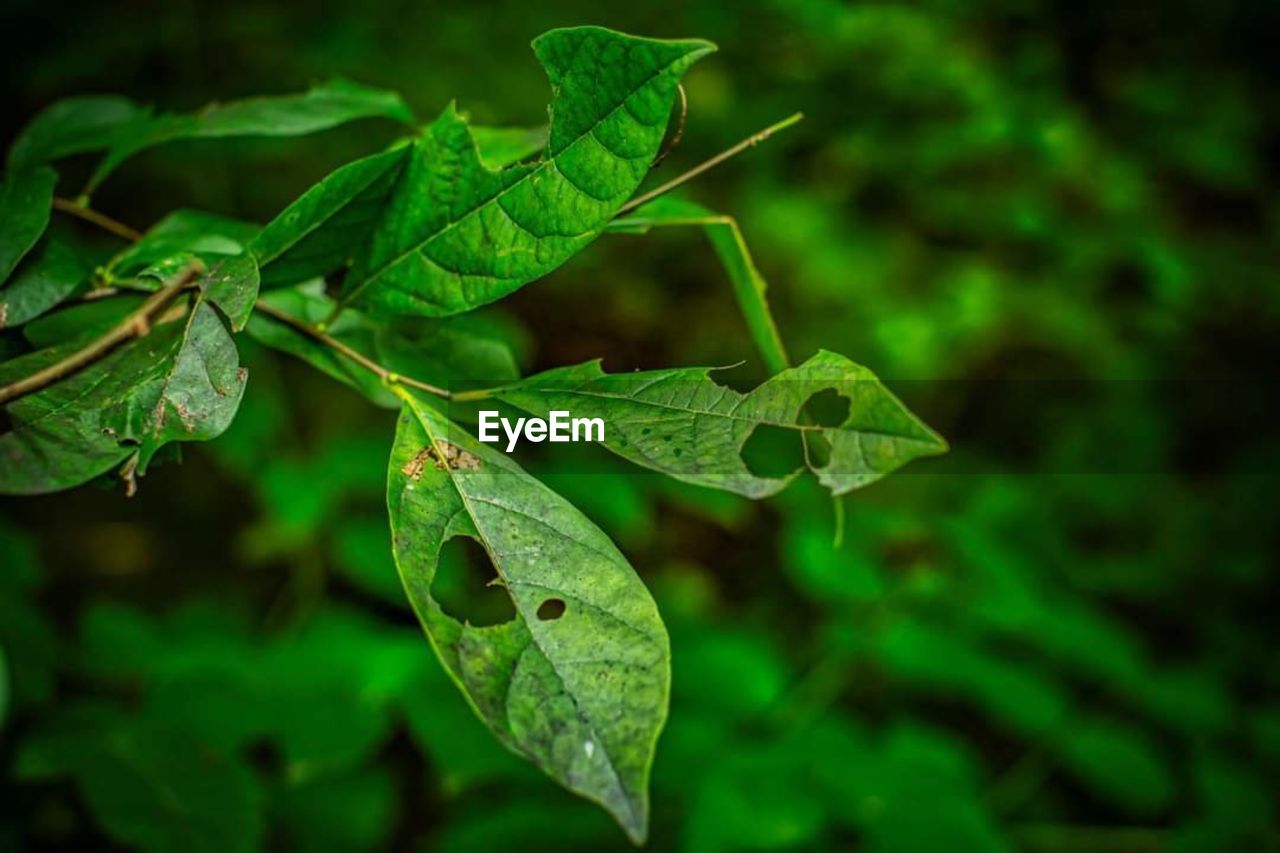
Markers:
{"x": 827, "y": 408}
{"x": 551, "y": 609}
{"x": 773, "y": 451}
{"x": 466, "y": 585}
{"x": 743, "y": 378}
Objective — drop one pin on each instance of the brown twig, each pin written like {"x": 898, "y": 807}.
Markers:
{"x": 136, "y": 325}
{"x": 750, "y": 142}
{"x": 103, "y": 221}
{"x": 359, "y": 358}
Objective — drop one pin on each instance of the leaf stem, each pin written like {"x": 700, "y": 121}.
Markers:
{"x": 103, "y": 221}
{"x": 750, "y": 142}
{"x": 387, "y": 376}
{"x": 155, "y": 304}
{"x": 136, "y": 325}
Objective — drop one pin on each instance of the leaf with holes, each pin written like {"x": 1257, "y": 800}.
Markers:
{"x": 181, "y": 382}
{"x": 578, "y": 681}
{"x": 683, "y": 424}
{"x": 457, "y": 234}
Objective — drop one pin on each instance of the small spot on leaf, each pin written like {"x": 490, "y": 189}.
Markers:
{"x": 443, "y": 455}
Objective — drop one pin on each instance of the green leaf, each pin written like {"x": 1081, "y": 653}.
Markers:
{"x": 231, "y": 281}
{"x": 499, "y": 147}
{"x": 184, "y": 231}
{"x": 322, "y": 231}
{"x": 320, "y": 108}
{"x": 232, "y": 285}
{"x": 43, "y": 281}
{"x": 1120, "y": 764}
{"x": 352, "y": 811}
{"x": 578, "y": 681}
{"x": 72, "y": 126}
{"x": 79, "y": 320}
{"x": 181, "y": 382}
{"x": 151, "y": 786}
{"x": 683, "y": 424}
{"x": 439, "y": 351}
{"x": 25, "y": 201}
{"x": 456, "y": 234}
{"x": 731, "y": 248}
{"x": 309, "y": 304}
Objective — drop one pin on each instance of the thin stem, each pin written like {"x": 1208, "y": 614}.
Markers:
{"x": 136, "y": 325}
{"x": 749, "y": 142}
{"x": 679, "y": 134}
{"x": 88, "y": 214}
{"x": 473, "y": 395}
{"x": 387, "y": 376}
{"x": 103, "y": 221}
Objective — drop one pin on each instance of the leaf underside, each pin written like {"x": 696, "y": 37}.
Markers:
{"x": 583, "y": 696}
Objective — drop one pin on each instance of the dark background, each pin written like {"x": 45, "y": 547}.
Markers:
{"x": 1051, "y": 226}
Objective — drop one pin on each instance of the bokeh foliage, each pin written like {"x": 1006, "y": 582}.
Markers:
{"x": 1058, "y": 637}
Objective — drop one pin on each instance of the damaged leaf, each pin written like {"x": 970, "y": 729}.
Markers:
{"x": 578, "y": 682}
{"x": 683, "y": 424}
{"x": 180, "y": 382}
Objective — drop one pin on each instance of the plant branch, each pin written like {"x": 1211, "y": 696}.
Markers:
{"x": 103, "y": 221}
{"x": 750, "y": 142}
{"x": 388, "y": 376}
{"x": 136, "y": 325}
{"x": 88, "y": 214}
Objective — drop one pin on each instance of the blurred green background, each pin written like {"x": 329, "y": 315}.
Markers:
{"x": 1051, "y": 226}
